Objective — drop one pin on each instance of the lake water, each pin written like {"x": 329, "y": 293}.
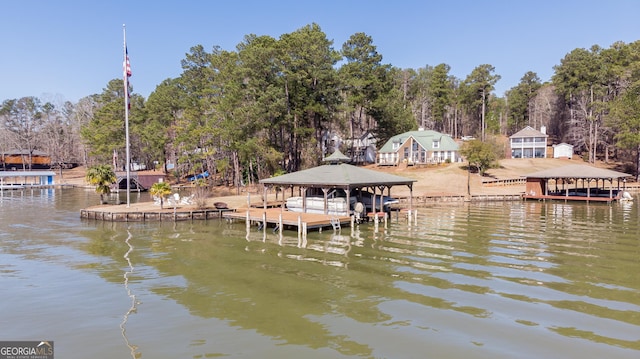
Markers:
{"x": 480, "y": 280}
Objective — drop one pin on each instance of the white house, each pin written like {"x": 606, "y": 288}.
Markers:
{"x": 529, "y": 143}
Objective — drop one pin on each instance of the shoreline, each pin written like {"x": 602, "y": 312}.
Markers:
{"x": 434, "y": 184}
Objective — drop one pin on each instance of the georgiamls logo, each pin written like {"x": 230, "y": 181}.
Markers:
{"x": 26, "y": 349}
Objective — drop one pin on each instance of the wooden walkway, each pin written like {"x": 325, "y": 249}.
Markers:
{"x": 277, "y": 216}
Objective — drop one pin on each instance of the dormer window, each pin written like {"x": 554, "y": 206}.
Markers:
{"x": 397, "y": 143}
{"x": 436, "y": 144}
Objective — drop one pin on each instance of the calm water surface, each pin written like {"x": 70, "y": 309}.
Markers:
{"x": 490, "y": 280}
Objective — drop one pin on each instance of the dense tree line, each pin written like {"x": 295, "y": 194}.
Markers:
{"x": 273, "y": 105}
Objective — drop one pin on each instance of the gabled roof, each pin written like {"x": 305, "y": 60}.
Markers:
{"x": 425, "y": 138}
{"x": 528, "y": 132}
{"x": 338, "y": 175}
{"x": 578, "y": 171}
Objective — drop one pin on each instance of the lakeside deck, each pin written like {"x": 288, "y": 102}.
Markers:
{"x": 277, "y": 217}
{"x": 117, "y": 214}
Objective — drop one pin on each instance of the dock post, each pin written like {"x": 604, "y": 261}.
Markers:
{"x": 385, "y": 220}
{"x": 409, "y": 217}
{"x": 280, "y": 224}
{"x": 375, "y": 221}
{"x": 264, "y": 226}
{"x": 352, "y": 223}
{"x": 415, "y": 218}
{"x": 299, "y": 231}
{"x": 248, "y": 228}
{"x": 247, "y": 218}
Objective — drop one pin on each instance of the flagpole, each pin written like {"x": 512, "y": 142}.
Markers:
{"x": 126, "y": 113}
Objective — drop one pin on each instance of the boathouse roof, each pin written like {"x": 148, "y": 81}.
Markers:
{"x": 338, "y": 175}
{"x": 578, "y": 171}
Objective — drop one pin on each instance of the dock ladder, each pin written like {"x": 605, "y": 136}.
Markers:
{"x": 335, "y": 223}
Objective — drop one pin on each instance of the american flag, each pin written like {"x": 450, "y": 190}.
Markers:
{"x": 127, "y": 73}
{"x": 115, "y": 159}
{"x": 127, "y": 66}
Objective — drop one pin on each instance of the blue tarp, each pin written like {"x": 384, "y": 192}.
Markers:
{"x": 202, "y": 175}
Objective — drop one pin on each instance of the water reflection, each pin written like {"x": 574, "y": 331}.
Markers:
{"x": 134, "y": 302}
{"x": 516, "y": 279}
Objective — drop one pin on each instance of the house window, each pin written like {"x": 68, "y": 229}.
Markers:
{"x": 396, "y": 145}
{"x": 527, "y": 153}
{"x": 516, "y": 153}
{"x": 436, "y": 144}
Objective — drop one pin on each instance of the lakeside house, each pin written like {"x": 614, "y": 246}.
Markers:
{"x": 23, "y": 159}
{"x": 529, "y": 143}
{"x": 360, "y": 150}
{"x": 418, "y": 147}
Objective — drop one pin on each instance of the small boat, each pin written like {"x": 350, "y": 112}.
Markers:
{"x": 220, "y": 205}
{"x": 626, "y": 197}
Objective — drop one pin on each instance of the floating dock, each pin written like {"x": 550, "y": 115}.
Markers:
{"x": 278, "y": 217}
{"x": 167, "y": 215}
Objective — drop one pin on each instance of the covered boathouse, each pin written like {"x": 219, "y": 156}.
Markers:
{"x": 352, "y": 180}
{"x": 318, "y": 184}
{"x": 577, "y": 183}
{"x": 23, "y": 179}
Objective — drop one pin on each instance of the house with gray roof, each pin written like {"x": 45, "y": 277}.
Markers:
{"x": 418, "y": 147}
{"x": 529, "y": 143}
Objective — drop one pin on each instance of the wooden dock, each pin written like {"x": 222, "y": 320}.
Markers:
{"x": 571, "y": 198}
{"x": 277, "y": 217}
{"x": 108, "y": 213}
